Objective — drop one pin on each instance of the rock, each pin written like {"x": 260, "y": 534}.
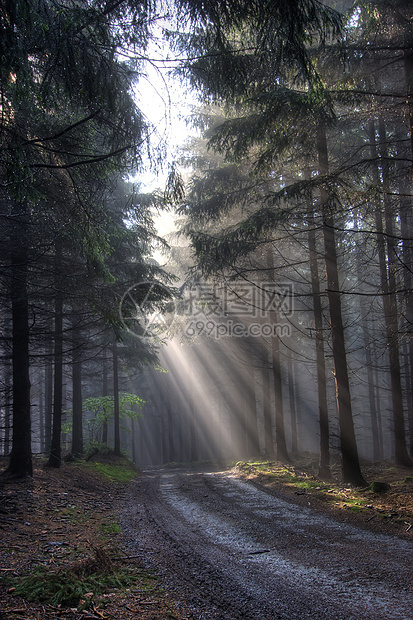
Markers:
{"x": 379, "y": 487}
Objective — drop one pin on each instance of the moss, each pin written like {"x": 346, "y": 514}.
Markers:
{"x": 111, "y": 527}
{"x": 379, "y": 487}
{"x": 121, "y": 473}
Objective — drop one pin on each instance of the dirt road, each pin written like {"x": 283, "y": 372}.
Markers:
{"x": 233, "y": 551}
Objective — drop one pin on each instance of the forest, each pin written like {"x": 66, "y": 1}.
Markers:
{"x": 274, "y": 316}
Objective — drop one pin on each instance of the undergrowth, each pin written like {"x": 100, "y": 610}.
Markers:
{"x": 75, "y": 585}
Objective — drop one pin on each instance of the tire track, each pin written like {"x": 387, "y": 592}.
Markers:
{"x": 234, "y": 551}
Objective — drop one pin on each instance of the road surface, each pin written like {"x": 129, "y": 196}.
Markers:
{"x": 233, "y": 551}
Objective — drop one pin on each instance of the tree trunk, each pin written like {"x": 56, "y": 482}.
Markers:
{"x": 348, "y": 446}
{"x": 193, "y": 435}
{"x": 20, "y": 464}
{"x": 293, "y": 409}
{"x": 266, "y": 394}
{"x": 105, "y": 392}
{"x": 134, "y": 426}
{"x": 77, "y": 429}
{"x": 8, "y": 382}
{"x": 379, "y": 400}
{"x": 116, "y": 414}
{"x": 48, "y": 405}
{"x": 408, "y": 72}
{"x": 55, "y": 457}
{"x": 41, "y": 373}
{"x": 388, "y": 286}
{"x": 280, "y": 440}
{"x": 374, "y": 416}
{"x": 324, "y": 463}
{"x": 364, "y": 310}
{"x": 172, "y": 448}
{"x": 406, "y": 233}
{"x": 250, "y": 403}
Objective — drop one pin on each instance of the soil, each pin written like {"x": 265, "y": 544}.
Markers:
{"x": 59, "y": 518}
{"x": 172, "y": 538}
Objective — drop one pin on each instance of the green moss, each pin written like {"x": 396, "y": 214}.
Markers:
{"x": 304, "y": 480}
{"x": 121, "y": 473}
{"x": 379, "y": 487}
{"x": 108, "y": 528}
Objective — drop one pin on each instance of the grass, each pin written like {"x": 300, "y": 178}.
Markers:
{"x": 387, "y": 497}
{"x": 110, "y": 527}
{"x": 302, "y": 479}
{"x": 122, "y": 473}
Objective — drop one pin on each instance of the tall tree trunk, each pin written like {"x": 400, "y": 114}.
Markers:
{"x": 172, "y": 447}
{"x": 105, "y": 392}
{"x": 406, "y": 230}
{"x": 388, "y": 286}
{"x": 133, "y": 439}
{"x": 374, "y": 414}
{"x": 20, "y": 464}
{"x": 8, "y": 410}
{"x": 48, "y": 404}
{"x": 364, "y": 310}
{"x": 116, "y": 413}
{"x": 348, "y": 446}
{"x": 408, "y": 72}
{"x": 324, "y": 463}
{"x": 77, "y": 429}
{"x": 55, "y": 457}
{"x": 41, "y": 374}
{"x": 280, "y": 439}
{"x": 379, "y": 400}
{"x": 250, "y": 404}
{"x": 266, "y": 395}
{"x": 193, "y": 435}
{"x": 293, "y": 408}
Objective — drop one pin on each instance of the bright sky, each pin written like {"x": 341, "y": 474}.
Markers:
{"x": 166, "y": 104}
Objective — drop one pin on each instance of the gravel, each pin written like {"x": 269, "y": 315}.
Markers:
{"x": 229, "y": 550}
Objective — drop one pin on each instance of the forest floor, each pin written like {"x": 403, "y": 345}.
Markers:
{"x": 60, "y": 535}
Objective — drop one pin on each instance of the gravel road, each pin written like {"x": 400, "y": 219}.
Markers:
{"x": 233, "y": 551}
